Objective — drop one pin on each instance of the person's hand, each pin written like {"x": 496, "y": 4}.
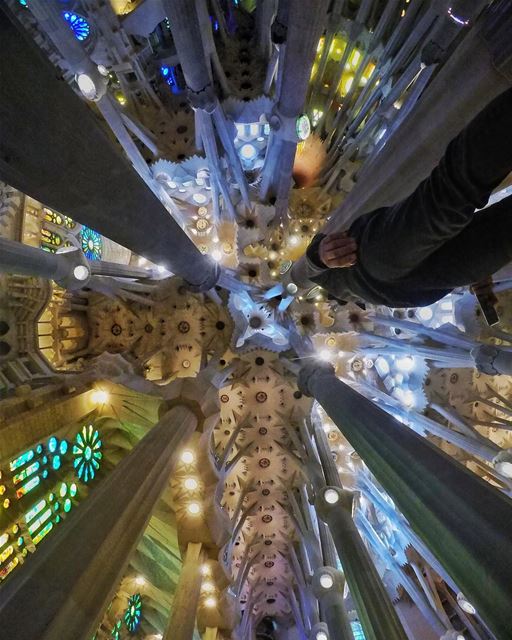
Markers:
{"x": 338, "y": 250}
{"x": 483, "y": 288}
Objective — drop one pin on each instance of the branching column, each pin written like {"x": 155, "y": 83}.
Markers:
{"x": 461, "y": 518}
{"x": 75, "y": 574}
{"x": 186, "y": 598}
{"x": 53, "y": 149}
{"x": 305, "y": 22}
{"x": 333, "y": 504}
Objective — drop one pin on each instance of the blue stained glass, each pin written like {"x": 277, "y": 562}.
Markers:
{"x": 56, "y": 462}
{"x": 23, "y": 3}
{"x": 87, "y": 452}
{"x": 52, "y": 444}
{"x": 78, "y": 25}
{"x": 357, "y": 630}
{"x": 63, "y": 447}
{"x": 133, "y": 613}
{"x": 92, "y": 244}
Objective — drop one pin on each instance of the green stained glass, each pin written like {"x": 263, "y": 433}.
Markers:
{"x": 87, "y": 453}
{"x": 133, "y": 613}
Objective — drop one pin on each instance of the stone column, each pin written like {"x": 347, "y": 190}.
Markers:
{"x": 186, "y": 597}
{"x": 70, "y": 268}
{"x": 75, "y": 573}
{"x": 460, "y": 517}
{"x": 332, "y": 607}
{"x": 305, "y": 22}
{"x": 334, "y": 505}
{"x": 53, "y": 148}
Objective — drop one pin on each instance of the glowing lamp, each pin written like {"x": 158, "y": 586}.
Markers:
{"x": 210, "y": 602}
{"x": 326, "y": 581}
{"x": 425, "y": 313}
{"x": 194, "y": 508}
{"x": 86, "y": 86}
{"x": 99, "y": 396}
{"x": 208, "y": 587}
{"x": 191, "y": 484}
{"x": 81, "y": 272}
{"x": 248, "y": 152}
{"x": 464, "y": 604}
{"x": 205, "y": 570}
{"x": 331, "y": 496}
{"x": 187, "y": 457}
{"x": 321, "y": 635}
{"x": 140, "y": 581}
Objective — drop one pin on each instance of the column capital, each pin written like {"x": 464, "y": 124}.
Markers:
{"x": 319, "y": 632}
{"x": 210, "y": 280}
{"x": 492, "y": 360}
{"x": 309, "y": 371}
{"x": 327, "y": 580}
{"x": 205, "y": 99}
{"x": 331, "y": 498}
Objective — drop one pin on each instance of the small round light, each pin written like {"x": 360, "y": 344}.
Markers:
{"x": 103, "y": 69}
{"x": 208, "y": 587}
{"x": 187, "y": 457}
{"x": 293, "y": 241}
{"x": 191, "y": 484}
{"x": 98, "y": 396}
{"x": 87, "y": 86}
{"x": 81, "y": 272}
{"x": 205, "y": 570}
{"x": 425, "y": 313}
{"x": 321, "y": 635}
{"x": 331, "y": 496}
{"x": 216, "y": 255}
{"x": 140, "y": 581}
{"x": 325, "y": 355}
{"x": 292, "y": 288}
{"x": 199, "y": 198}
{"x": 194, "y": 508}
{"x": 210, "y": 602}
{"x": 465, "y": 605}
{"x": 326, "y": 580}
{"x": 248, "y": 152}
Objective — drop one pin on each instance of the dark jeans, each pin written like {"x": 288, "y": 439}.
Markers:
{"x": 433, "y": 239}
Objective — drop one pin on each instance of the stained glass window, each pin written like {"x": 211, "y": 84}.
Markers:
{"x": 58, "y": 219}
{"x": 50, "y": 241}
{"x": 87, "y": 453}
{"x": 92, "y": 244}
{"x": 133, "y": 613}
{"x": 357, "y": 630}
{"x": 116, "y": 631}
{"x": 78, "y": 25}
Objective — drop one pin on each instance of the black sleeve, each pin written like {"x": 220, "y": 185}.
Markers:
{"x": 312, "y": 251}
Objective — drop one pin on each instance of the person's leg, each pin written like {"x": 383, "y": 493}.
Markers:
{"x": 479, "y": 250}
{"x": 398, "y": 239}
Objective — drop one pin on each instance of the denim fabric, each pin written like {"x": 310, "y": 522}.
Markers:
{"x": 415, "y": 252}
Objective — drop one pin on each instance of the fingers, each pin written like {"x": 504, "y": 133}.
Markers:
{"x": 338, "y": 250}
